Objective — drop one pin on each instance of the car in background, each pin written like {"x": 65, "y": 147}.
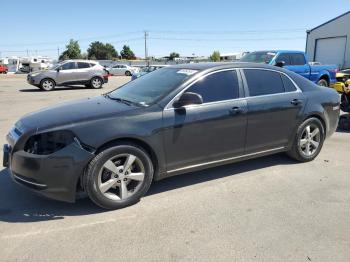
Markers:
{"x": 175, "y": 120}
{"x": 70, "y": 72}
{"x": 122, "y": 70}
{"x": 323, "y": 75}
{"x": 146, "y": 70}
{"x": 3, "y": 69}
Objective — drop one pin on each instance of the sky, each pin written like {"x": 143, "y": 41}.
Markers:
{"x": 184, "y": 26}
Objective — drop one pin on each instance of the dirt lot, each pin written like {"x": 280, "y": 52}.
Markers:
{"x": 268, "y": 209}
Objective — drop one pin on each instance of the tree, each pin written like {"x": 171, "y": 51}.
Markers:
{"x": 101, "y": 51}
{"x": 173, "y": 55}
{"x": 72, "y": 51}
{"x": 127, "y": 53}
{"x": 215, "y": 56}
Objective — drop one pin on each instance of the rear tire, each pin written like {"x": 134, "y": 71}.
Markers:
{"x": 308, "y": 140}
{"x": 112, "y": 183}
{"x": 96, "y": 82}
{"x": 322, "y": 82}
{"x": 47, "y": 84}
{"x": 128, "y": 73}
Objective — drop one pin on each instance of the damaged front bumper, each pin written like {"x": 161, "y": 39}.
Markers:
{"x": 55, "y": 175}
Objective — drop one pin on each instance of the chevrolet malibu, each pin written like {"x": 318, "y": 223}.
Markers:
{"x": 172, "y": 121}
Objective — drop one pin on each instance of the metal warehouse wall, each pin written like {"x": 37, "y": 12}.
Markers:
{"x": 336, "y": 28}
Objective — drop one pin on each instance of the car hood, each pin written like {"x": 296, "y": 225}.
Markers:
{"x": 70, "y": 113}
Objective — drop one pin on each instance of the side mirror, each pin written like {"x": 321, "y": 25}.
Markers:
{"x": 188, "y": 98}
{"x": 280, "y": 63}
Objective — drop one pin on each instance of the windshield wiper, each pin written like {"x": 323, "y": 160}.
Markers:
{"x": 125, "y": 101}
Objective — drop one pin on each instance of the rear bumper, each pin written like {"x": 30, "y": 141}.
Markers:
{"x": 54, "y": 176}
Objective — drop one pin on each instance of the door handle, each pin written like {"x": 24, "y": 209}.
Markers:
{"x": 296, "y": 102}
{"x": 235, "y": 110}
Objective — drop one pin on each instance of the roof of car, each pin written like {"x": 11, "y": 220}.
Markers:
{"x": 80, "y": 60}
{"x": 220, "y": 65}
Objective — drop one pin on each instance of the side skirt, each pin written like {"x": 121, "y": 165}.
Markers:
{"x": 220, "y": 162}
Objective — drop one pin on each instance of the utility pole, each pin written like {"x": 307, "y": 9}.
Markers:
{"x": 146, "y": 47}
{"x": 27, "y": 52}
{"x": 58, "y": 53}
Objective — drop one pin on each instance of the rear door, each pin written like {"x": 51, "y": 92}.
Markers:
{"x": 274, "y": 104}
{"x": 83, "y": 71}
{"x": 212, "y": 131}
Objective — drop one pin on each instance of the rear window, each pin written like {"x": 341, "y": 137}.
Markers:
{"x": 263, "y": 82}
{"x": 83, "y": 65}
{"x": 288, "y": 85}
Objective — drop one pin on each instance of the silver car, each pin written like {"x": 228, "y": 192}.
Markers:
{"x": 70, "y": 72}
{"x": 121, "y": 70}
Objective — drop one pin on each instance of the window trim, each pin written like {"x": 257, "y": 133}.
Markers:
{"x": 169, "y": 106}
{"x": 246, "y": 86}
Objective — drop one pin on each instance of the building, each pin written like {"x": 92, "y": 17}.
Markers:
{"x": 329, "y": 43}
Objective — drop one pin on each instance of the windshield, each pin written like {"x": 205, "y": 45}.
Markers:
{"x": 258, "y": 57}
{"x": 55, "y": 66}
{"x": 149, "y": 88}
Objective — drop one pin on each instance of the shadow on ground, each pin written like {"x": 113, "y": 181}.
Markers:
{"x": 57, "y": 88}
{"x": 17, "y": 204}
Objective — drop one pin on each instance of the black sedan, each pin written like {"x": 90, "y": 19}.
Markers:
{"x": 172, "y": 121}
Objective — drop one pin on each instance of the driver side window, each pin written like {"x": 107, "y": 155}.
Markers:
{"x": 218, "y": 86}
{"x": 283, "y": 57}
{"x": 67, "y": 66}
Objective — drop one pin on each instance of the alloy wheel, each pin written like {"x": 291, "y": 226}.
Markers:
{"x": 310, "y": 140}
{"x": 47, "y": 85}
{"x": 121, "y": 176}
{"x": 96, "y": 82}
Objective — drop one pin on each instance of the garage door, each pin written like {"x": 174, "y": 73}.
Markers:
{"x": 331, "y": 50}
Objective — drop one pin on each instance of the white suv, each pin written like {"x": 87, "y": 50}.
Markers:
{"x": 121, "y": 70}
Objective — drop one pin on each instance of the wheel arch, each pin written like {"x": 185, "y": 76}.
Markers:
{"x": 319, "y": 117}
{"x": 325, "y": 77}
{"x": 135, "y": 141}
{"x": 119, "y": 141}
{"x": 47, "y": 78}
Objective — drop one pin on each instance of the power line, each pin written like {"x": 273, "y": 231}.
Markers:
{"x": 225, "y": 39}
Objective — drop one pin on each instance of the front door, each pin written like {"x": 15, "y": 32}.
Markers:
{"x": 212, "y": 131}
{"x": 66, "y": 73}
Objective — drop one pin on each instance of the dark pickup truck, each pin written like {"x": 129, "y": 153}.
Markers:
{"x": 295, "y": 61}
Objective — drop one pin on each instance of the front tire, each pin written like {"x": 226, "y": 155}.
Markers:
{"x": 119, "y": 176}
{"x": 322, "y": 82}
{"x": 47, "y": 84}
{"x": 308, "y": 140}
{"x": 128, "y": 73}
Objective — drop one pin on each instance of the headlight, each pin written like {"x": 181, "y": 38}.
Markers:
{"x": 48, "y": 143}
{"x": 34, "y": 74}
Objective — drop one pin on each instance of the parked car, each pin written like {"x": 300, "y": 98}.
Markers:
{"x": 122, "y": 70}
{"x": 295, "y": 61}
{"x": 146, "y": 70}
{"x": 174, "y": 120}
{"x": 70, "y": 72}
{"x": 3, "y": 69}
{"x": 343, "y": 81}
